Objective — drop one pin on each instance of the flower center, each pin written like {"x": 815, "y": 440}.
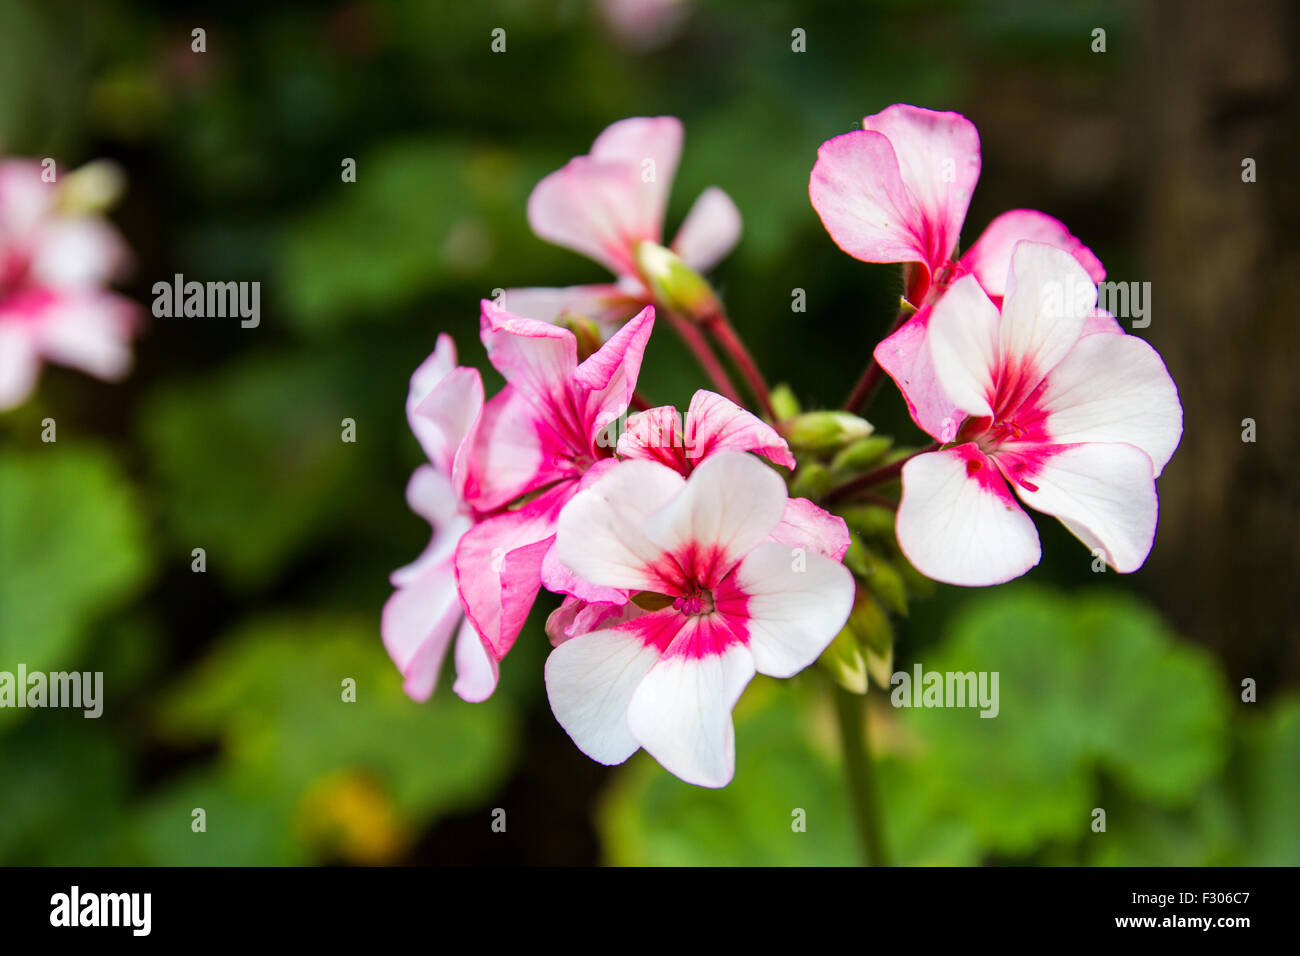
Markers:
{"x": 696, "y": 603}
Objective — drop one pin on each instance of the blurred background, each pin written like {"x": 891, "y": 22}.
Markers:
{"x": 222, "y": 688}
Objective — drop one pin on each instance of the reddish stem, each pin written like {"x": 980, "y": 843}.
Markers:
{"x": 703, "y": 352}
{"x": 731, "y": 343}
{"x": 871, "y": 377}
{"x": 878, "y": 476}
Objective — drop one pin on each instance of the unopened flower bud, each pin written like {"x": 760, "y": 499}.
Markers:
{"x": 861, "y": 455}
{"x": 674, "y": 284}
{"x": 845, "y": 661}
{"x": 824, "y": 431}
{"x": 812, "y": 480}
{"x": 784, "y": 403}
{"x": 91, "y": 189}
{"x": 584, "y": 330}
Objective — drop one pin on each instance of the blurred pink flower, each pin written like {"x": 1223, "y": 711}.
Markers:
{"x": 55, "y": 264}
{"x": 444, "y": 407}
{"x": 603, "y": 204}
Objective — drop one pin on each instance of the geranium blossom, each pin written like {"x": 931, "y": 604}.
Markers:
{"x": 897, "y": 191}
{"x": 539, "y": 440}
{"x": 716, "y": 601}
{"x": 1055, "y": 401}
{"x": 54, "y": 266}
{"x": 713, "y": 423}
{"x": 603, "y": 204}
{"x": 443, "y": 407}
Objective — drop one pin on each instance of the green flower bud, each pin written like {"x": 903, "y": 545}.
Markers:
{"x": 812, "y": 480}
{"x": 861, "y": 455}
{"x": 870, "y": 623}
{"x": 584, "y": 330}
{"x": 674, "y": 284}
{"x": 845, "y": 662}
{"x": 869, "y": 521}
{"x": 824, "y": 431}
{"x": 784, "y": 403}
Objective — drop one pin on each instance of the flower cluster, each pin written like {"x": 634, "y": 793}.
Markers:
{"x": 691, "y": 552}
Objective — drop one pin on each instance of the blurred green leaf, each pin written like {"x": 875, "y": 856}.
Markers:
{"x": 1086, "y": 684}
{"x": 252, "y": 460}
{"x": 72, "y": 546}
{"x": 272, "y": 694}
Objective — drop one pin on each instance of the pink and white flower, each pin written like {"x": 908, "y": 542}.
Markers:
{"x": 540, "y": 440}
{"x": 1055, "y": 401}
{"x": 898, "y": 191}
{"x": 54, "y": 266}
{"x": 444, "y": 407}
{"x": 713, "y": 423}
{"x": 716, "y": 600}
{"x": 604, "y": 204}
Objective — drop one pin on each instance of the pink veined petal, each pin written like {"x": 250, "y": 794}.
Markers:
{"x": 608, "y": 376}
{"x": 1105, "y": 494}
{"x": 445, "y": 419}
{"x": 575, "y": 617}
{"x": 608, "y": 305}
{"x": 1113, "y": 388}
{"x": 963, "y": 336}
{"x": 730, "y": 503}
{"x": 958, "y": 523}
{"x": 559, "y": 579}
{"x": 430, "y": 494}
{"x": 90, "y": 331}
{"x": 20, "y": 364}
{"x": 807, "y": 526}
{"x": 498, "y": 566}
{"x": 591, "y": 679}
{"x": 417, "y": 623}
{"x": 537, "y": 358}
{"x": 651, "y": 147}
{"x": 602, "y": 207}
{"x": 710, "y": 230}
{"x": 77, "y": 252}
{"x": 905, "y": 357}
{"x": 1048, "y": 302}
{"x": 989, "y": 259}
{"x": 601, "y": 535}
{"x": 715, "y": 424}
{"x": 856, "y": 189}
{"x": 656, "y": 434}
{"x": 426, "y": 377}
{"x": 476, "y": 669}
{"x": 796, "y": 603}
{"x": 680, "y": 712}
{"x": 938, "y": 158}
{"x": 510, "y": 455}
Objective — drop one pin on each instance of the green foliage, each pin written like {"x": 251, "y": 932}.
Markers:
{"x": 1100, "y": 707}
{"x": 293, "y": 749}
{"x": 72, "y": 546}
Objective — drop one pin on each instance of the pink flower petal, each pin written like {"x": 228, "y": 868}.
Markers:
{"x": 939, "y": 162}
{"x": 963, "y": 336}
{"x": 989, "y": 259}
{"x": 805, "y": 525}
{"x": 796, "y": 603}
{"x": 1104, "y": 494}
{"x": 958, "y": 523}
{"x": 710, "y": 230}
{"x": 680, "y": 712}
{"x": 715, "y": 424}
{"x": 1113, "y": 388}
{"x": 857, "y": 191}
{"x": 905, "y": 357}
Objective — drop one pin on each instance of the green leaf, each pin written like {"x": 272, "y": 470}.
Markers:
{"x": 1087, "y": 685}
{"x": 273, "y": 696}
{"x": 72, "y": 546}
{"x": 252, "y": 460}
